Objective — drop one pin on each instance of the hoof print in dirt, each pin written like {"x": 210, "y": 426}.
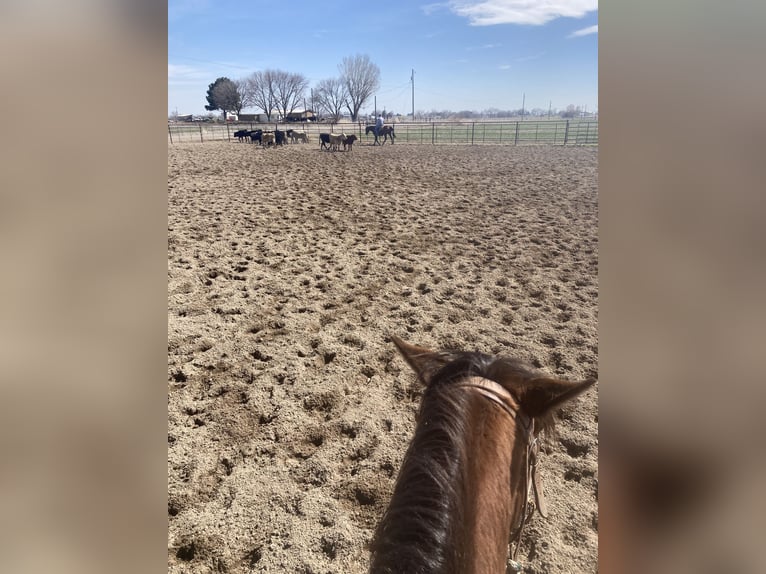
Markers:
{"x": 253, "y": 557}
{"x": 323, "y": 402}
{"x": 365, "y": 496}
{"x": 312, "y": 472}
{"x": 307, "y": 446}
{"x": 575, "y": 448}
{"x": 175, "y": 506}
{"x": 259, "y": 355}
{"x": 332, "y": 543}
{"x": 187, "y": 552}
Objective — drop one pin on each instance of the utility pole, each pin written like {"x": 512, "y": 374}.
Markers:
{"x": 549, "y": 108}
{"x": 523, "y": 100}
{"x": 413, "y": 94}
{"x": 376, "y": 107}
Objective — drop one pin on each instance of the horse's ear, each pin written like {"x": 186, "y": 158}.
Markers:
{"x": 423, "y": 361}
{"x": 539, "y": 397}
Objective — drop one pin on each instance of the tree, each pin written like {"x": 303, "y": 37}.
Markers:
{"x": 260, "y": 86}
{"x": 222, "y": 95}
{"x": 331, "y": 96}
{"x": 361, "y": 78}
{"x": 245, "y": 94}
{"x": 289, "y": 90}
{"x": 571, "y": 111}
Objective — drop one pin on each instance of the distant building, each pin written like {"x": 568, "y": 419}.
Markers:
{"x": 258, "y": 117}
{"x": 295, "y": 116}
{"x": 301, "y": 116}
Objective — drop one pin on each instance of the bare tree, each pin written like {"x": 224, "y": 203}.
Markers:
{"x": 361, "y": 78}
{"x": 289, "y": 90}
{"x": 260, "y": 87}
{"x": 571, "y": 111}
{"x": 331, "y": 96}
{"x": 245, "y": 94}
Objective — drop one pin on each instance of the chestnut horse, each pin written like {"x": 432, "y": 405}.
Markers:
{"x": 462, "y": 490}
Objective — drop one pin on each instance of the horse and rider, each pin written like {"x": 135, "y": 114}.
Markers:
{"x": 381, "y": 130}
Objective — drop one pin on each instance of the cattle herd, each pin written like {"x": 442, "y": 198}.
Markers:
{"x": 328, "y": 141}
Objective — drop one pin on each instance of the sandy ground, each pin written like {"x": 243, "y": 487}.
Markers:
{"x": 288, "y": 409}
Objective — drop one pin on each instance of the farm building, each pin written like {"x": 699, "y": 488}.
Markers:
{"x": 258, "y": 117}
{"x": 301, "y": 116}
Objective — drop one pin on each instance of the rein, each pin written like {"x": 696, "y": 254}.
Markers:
{"x": 501, "y": 397}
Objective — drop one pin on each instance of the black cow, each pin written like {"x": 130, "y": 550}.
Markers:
{"x": 324, "y": 141}
{"x": 349, "y": 143}
{"x": 280, "y": 137}
{"x": 241, "y": 135}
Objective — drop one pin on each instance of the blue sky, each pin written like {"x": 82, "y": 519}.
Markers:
{"x": 467, "y": 55}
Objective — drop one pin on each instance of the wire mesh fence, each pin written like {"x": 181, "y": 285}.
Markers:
{"x": 522, "y": 132}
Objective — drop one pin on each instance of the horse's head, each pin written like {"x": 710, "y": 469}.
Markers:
{"x": 528, "y": 400}
{"x": 537, "y": 395}
{"x": 472, "y": 461}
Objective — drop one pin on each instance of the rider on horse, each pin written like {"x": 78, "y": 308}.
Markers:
{"x": 378, "y": 126}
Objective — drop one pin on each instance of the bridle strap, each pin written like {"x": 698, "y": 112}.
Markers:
{"x": 500, "y": 396}
{"x": 493, "y": 391}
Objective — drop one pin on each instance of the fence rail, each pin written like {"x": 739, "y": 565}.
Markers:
{"x": 551, "y": 132}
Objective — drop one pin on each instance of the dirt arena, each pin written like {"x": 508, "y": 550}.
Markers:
{"x": 289, "y": 409}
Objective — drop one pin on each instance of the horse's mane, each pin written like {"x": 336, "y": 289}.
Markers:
{"x": 415, "y": 532}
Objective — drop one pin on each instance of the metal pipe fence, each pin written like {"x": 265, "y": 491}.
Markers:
{"x": 526, "y": 132}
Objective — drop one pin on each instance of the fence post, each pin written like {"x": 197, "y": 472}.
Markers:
{"x": 566, "y": 133}
{"x": 200, "y": 132}
{"x": 587, "y": 133}
{"x": 228, "y": 134}
{"x": 433, "y": 133}
{"x": 170, "y": 133}
{"x": 473, "y": 125}
{"x": 516, "y": 136}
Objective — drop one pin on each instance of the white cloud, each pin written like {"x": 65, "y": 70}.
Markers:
{"x": 504, "y": 67}
{"x": 534, "y": 12}
{"x": 584, "y": 32}
{"x": 178, "y": 74}
{"x": 530, "y": 58}
{"x": 208, "y": 70}
{"x": 484, "y": 47}
{"x": 429, "y": 9}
